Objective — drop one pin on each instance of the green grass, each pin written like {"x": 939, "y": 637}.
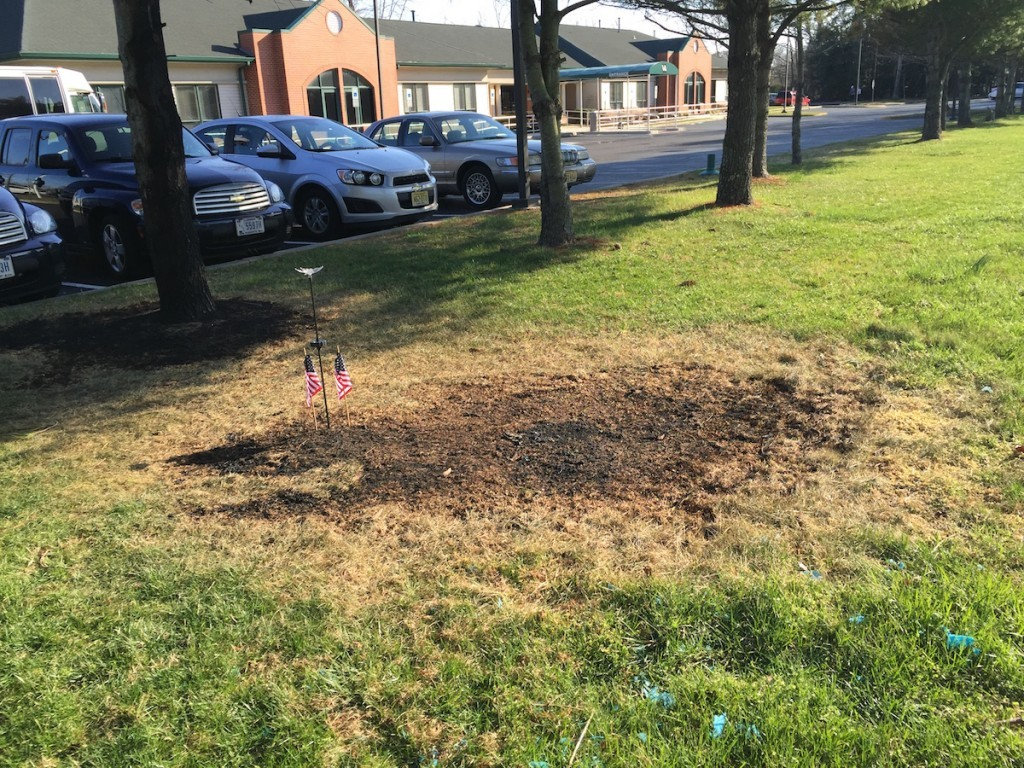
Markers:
{"x": 130, "y": 637}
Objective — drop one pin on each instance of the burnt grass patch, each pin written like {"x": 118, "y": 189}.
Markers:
{"x": 652, "y": 439}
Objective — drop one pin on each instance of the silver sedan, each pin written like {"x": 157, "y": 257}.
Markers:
{"x": 474, "y": 155}
{"x": 332, "y": 175}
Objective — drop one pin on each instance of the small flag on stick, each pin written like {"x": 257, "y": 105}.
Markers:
{"x": 313, "y": 383}
{"x": 341, "y": 377}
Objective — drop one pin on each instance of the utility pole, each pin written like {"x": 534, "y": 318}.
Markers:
{"x": 519, "y": 88}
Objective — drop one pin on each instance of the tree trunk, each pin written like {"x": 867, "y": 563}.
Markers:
{"x": 935, "y": 81}
{"x": 542, "y": 66}
{"x": 798, "y": 105}
{"x": 735, "y": 172}
{"x": 963, "y": 114}
{"x": 896, "y": 90}
{"x": 766, "y": 52}
{"x": 160, "y": 163}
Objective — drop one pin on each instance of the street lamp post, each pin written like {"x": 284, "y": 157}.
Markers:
{"x": 519, "y": 87}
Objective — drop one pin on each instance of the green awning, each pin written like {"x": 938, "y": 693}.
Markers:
{"x": 654, "y": 69}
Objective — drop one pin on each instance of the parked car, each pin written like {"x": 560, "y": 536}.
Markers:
{"x": 333, "y": 176}
{"x": 1018, "y": 92}
{"x": 781, "y": 100}
{"x": 31, "y": 254}
{"x": 474, "y": 155}
{"x": 79, "y": 168}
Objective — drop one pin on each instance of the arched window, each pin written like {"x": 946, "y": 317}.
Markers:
{"x": 695, "y": 88}
{"x": 360, "y": 105}
{"x": 323, "y": 97}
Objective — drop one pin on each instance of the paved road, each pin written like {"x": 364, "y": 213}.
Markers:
{"x": 628, "y": 157}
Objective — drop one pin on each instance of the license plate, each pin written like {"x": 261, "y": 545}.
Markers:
{"x": 251, "y": 226}
{"x": 420, "y": 198}
{"x": 6, "y": 268}
{"x": 570, "y": 177}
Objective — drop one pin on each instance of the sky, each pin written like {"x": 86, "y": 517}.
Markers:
{"x": 484, "y": 12}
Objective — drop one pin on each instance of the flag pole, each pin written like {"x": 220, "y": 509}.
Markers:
{"x": 317, "y": 342}
{"x": 348, "y": 417}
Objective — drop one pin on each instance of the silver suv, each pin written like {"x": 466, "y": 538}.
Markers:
{"x": 333, "y": 176}
{"x": 474, "y": 155}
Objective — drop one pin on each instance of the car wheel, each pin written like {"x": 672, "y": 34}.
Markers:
{"x": 318, "y": 214}
{"x": 120, "y": 246}
{"x": 479, "y": 189}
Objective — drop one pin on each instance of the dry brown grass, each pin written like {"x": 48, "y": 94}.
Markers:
{"x": 903, "y": 463}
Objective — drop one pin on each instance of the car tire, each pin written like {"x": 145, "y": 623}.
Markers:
{"x": 478, "y": 188}
{"x": 120, "y": 246}
{"x": 318, "y": 214}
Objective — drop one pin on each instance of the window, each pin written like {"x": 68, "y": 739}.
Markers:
{"x": 16, "y": 148}
{"x": 695, "y": 89}
{"x": 641, "y": 94}
{"x": 387, "y": 134}
{"x": 249, "y": 138}
{"x": 416, "y": 97}
{"x": 615, "y": 91}
{"x": 322, "y": 96}
{"x": 52, "y": 143}
{"x": 465, "y": 96}
{"x": 112, "y": 97}
{"x": 414, "y": 129}
{"x": 197, "y": 103}
{"x": 14, "y": 99}
{"x": 46, "y": 94}
{"x": 360, "y": 106}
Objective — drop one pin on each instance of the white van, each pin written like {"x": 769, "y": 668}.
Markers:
{"x": 45, "y": 90}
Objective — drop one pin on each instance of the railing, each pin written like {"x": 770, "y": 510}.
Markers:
{"x": 642, "y": 117}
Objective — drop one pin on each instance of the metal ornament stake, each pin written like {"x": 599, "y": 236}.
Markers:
{"x": 317, "y": 342}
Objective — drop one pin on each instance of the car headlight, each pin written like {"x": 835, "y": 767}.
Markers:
{"x": 582, "y": 154}
{"x": 361, "y": 178}
{"x": 276, "y": 195}
{"x": 513, "y": 161}
{"x": 137, "y": 206}
{"x": 41, "y": 222}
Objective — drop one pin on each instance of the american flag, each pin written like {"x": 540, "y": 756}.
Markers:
{"x": 341, "y": 377}
{"x": 313, "y": 383}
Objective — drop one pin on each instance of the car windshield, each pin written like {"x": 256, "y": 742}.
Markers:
{"x": 113, "y": 143}
{"x": 469, "y": 126}
{"x": 317, "y": 134}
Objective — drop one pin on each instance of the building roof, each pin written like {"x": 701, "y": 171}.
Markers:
{"x": 425, "y": 44}
{"x": 657, "y": 68}
{"x": 196, "y": 30}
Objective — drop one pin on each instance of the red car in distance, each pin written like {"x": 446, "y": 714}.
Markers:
{"x": 781, "y": 100}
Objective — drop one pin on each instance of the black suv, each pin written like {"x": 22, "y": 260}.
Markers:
{"x": 31, "y": 256}
{"x": 79, "y": 168}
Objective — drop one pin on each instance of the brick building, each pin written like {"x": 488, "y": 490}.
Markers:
{"x": 227, "y": 57}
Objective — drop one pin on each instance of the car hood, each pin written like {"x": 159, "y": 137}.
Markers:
{"x": 383, "y": 159}
{"x": 200, "y": 171}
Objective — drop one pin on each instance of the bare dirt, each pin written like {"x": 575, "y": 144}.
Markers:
{"x": 652, "y": 439}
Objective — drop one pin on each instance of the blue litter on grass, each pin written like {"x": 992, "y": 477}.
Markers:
{"x": 642, "y": 736}
{"x": 987, "y": 390}
{"x": 717, "y": 726}
{"x": 898, "y": 566}
{"x": 961, "y": 641}
{"x": 539, "y": 764}
{"x": 653, "y": 693}
{"x": 858, "y": 619}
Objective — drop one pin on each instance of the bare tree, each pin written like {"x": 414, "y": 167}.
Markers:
{"x": 538, "y": 35}
{"x": 159, "y": 155}
{"x": 386, "y": 9}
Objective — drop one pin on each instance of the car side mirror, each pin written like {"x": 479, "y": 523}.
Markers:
{"x": 53, "y": 162}
{"x": 426, "y": 140}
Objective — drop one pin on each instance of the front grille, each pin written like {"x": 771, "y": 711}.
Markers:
{"x": 12, "y": 231}
{"x": 415, "y": 178}
{"x": 231, "y": 198}
{"x": 570, "y": 156}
